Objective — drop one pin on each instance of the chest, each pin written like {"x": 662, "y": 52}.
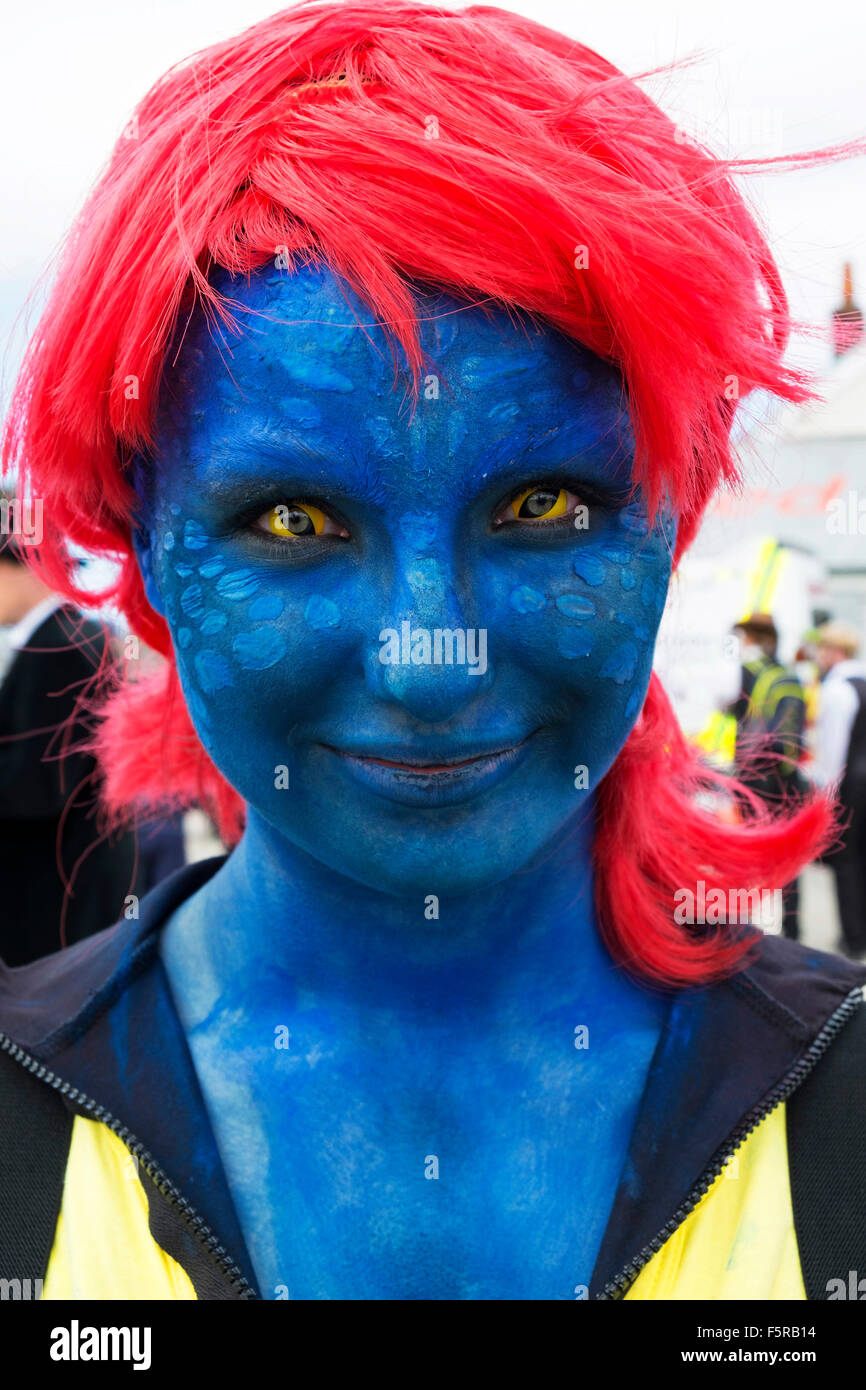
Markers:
{"x": 427, "y": 1165}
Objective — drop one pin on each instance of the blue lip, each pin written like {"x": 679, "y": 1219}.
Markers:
{"x": 456, "y": 781}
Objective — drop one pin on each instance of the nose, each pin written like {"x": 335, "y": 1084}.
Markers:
{"x": 428, "y": 656}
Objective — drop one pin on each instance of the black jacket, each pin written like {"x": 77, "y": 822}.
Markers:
{"x": 48, "y": 797}
{"x": 93, "y": 1032}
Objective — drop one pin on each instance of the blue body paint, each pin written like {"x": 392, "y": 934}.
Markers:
{"x": 433, "y": 1127}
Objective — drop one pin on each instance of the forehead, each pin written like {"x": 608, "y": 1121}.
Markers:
{"x": 311, "y": 372}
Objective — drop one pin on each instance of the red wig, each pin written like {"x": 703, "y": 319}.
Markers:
{"x": 474, "y": 150}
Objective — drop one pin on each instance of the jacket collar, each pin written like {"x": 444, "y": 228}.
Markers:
{"x": 722, "y": 1061}
{"x": 100, "y": 1015}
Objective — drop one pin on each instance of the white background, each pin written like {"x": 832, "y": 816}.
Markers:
{"x": 776, "y": 76}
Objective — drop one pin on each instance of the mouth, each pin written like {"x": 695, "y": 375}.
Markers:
{"x": 420, "y": 780}
{"x": 429, "y": 769}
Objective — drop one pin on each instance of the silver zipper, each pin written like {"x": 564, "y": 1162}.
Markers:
{"x": 619, "y": 1286}
{"x": 190, "y": 1217}
{"x": 614, "y": 1289}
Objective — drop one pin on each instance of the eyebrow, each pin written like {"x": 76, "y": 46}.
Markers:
{"x": 605, "y": 459}
{"x": 288, "y": 457}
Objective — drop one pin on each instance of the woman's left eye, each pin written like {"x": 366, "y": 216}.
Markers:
{"x": 296, "y": 521}
{"x": 542, "y": 502}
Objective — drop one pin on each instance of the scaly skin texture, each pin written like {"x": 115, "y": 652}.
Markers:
{"x": 385, "y": 988}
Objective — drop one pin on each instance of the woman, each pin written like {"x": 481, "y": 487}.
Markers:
{"x": 395, "y": 357}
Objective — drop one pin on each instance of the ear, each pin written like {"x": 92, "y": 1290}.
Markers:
{"x": 142, "y": 544}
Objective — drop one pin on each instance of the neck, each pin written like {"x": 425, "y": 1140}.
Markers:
{"x": 274, "y": 912}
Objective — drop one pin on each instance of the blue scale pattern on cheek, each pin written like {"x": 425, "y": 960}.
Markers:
{"x": 526, "y": 600}
{"x": 266, "y": 608}
{"x": 259, "y": 650}
{"x": 194, "y": 536}
{"x": 590, "y": 569}
{"x": 653, "y": 595}
{"x": 640, "y": 630}
{"x": 212, "y": 622}
{"x": 576, "y": 606}
{"x": 211, "y": 568}
{"x": 627, "y": 579}
{"x": 649, "y": 556}
{"x": 618, "y": 554}
{"x": 212, "y": 670}
{"x": 321, "y": 612}
{"x": 184, "y": 637}
{"x": 168, "y": 541}
{"x": 184, "y": 571}
{"x": 621, "y": 664}
{"x": 237, "y": 585}
{"x": 192, "y": 601}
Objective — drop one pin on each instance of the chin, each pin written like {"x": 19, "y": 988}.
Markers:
{"x": 445, "y": 876}
{"x": 407, "y": 856}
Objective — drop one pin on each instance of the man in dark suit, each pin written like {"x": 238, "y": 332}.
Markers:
{"x": 61, "y": 878}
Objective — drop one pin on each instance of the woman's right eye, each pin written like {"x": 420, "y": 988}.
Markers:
{"x": 298, "y": 521}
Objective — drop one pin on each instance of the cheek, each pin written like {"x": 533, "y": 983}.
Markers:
{"x": 585, "y": 620}
{"x": 237, "y": 634}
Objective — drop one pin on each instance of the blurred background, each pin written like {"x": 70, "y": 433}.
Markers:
{"x": 751, "y": 81}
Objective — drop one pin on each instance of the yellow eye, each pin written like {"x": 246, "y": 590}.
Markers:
{"x": 299, "y": 520}
{"x": 538, "y": 504}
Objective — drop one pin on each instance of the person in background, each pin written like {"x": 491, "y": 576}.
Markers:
{"x": 161, "y": 850}
{"x": 62, "y": 878}
{"x": 840, "y": 760}
{"x": 770, "y": 711}
{"x": 807, "y": 673}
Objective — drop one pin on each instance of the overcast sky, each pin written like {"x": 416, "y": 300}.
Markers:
{"x": 777, "y": 76}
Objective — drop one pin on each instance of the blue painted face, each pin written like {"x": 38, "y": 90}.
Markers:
{"x": 413, "y": 645}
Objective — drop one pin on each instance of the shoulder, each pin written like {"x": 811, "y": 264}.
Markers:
{"x": 806, "y": 985}
{"x": 37, "y": 998}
